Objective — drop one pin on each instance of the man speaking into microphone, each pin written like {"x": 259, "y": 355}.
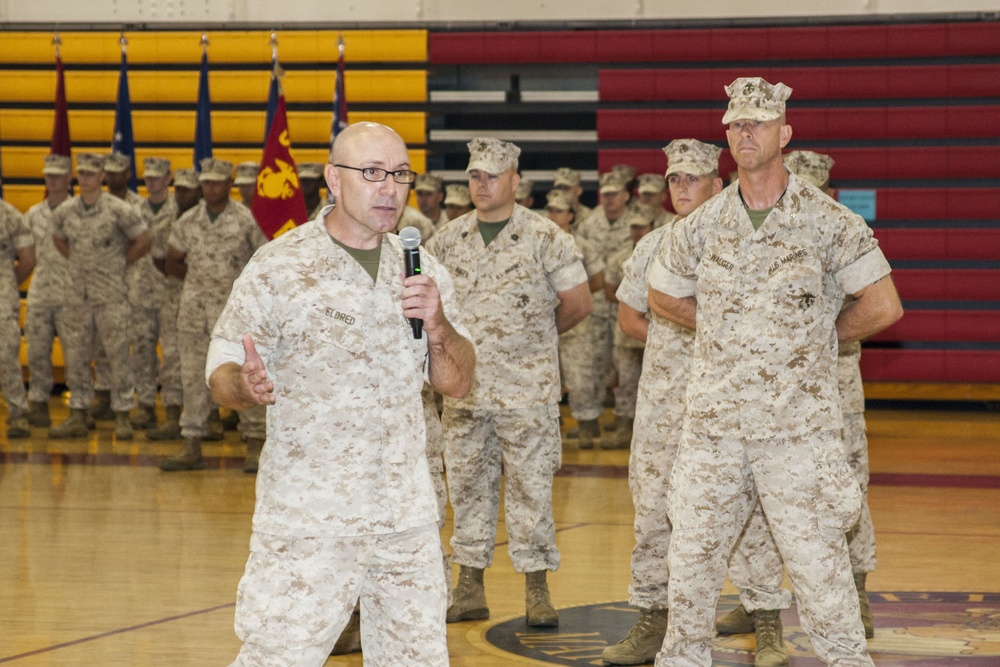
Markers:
{"x": 521, "y": 282}
{"x": 316, "y": 329}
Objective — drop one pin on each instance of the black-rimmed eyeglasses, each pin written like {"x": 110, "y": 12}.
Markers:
{"x": 376, "y": 175}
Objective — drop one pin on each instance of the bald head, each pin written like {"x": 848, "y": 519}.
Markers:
{"x": 345, "y": 146}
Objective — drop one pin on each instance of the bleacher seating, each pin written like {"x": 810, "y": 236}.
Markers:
{"x": 905, "y": 111}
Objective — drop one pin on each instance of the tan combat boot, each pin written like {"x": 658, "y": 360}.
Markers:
{"x": 539, "y": 611}
{"x": 622, "y": 438}
{"x": 100, "y": 408}
{"x": 170, "y": 429}
{"x": 190, "y": 457}
{"x": 590, "y": 433}
{"x": 867, "y": 619}
{"x": 350, "y": 637}
{"x": 18, "y": 427}
{"x": 254, "y": 448}
{"x": 771, "y": 651}
{"x": 469, "y": 597}
{"x": 214, "y": 430}
{"x": 737, "y": 622}
{"x": 38, "y": 413}
{"x": 643, "y": 641}
{"x": 74, "y": 427}
{"x": 123, "y": 427}
{"x": 144, "y": 416}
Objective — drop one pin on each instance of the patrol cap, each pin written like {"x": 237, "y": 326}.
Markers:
{"x": 652, "y": 183}
{"x": 691, "y": 156}
{"x": 57, "y": 165}
{"x": 626, "y": 171}
{"x": 308, "y": 170}
{"x": 154, "y": 167}
{"x": 216, "y": 170}
{"x": 89, "y": 162}
{"x": 814, "y": 167}
{"x": 457, "y": 195}
{"x": 566, "y": 176}
{"x": 186, "y": 178}
{"x": 116, "y": 163}
{"x": 246, "y": 172}
{"x": 753, "y": 98}
{"x": 492, "y": 155}
{"x": 639, "y": 215}
{"x": 427, "y": 183}
{"x": 524, "y": 189}
{"x": 612, "y": 182}
{"x": 558, "y": 200}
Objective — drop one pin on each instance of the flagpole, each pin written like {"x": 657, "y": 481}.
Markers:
{"x": 203, "y": 111}
{"x": 123, "y": 141}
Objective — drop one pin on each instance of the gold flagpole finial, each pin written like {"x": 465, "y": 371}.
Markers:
{"x": 274, "y": 46}
{"x": 57, "y": 40}
{"x": 340, "y": 42}
{"x": 124, "y": 42}
{"x": 204, "y": 43}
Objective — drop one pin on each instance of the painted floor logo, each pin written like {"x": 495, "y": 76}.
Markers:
{"x": 912, "y": 629}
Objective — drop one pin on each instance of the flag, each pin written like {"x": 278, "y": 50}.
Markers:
{"x": 272, "y": 98}
{"x": 339, "y": 98}
{"x": 203, "y": 116}
{"x": 278, "y": 204}
{"x": 60, "y": 125}
{"x": 123, "y": 141}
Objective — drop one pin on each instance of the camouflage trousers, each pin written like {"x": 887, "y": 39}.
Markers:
{"x": 84, "y": 326}
{"x": 41, "y": 325}
{"x": 756, "y": 566}
{"x": 297, "y": 594}
{"x": 11, "y": 377}
{"x": 579, "y": 371}
{"x": 197, "y": 400}
{"x": 604, "y": 336}
{"x": 810, "y": 499}
{"x": 524, "y": 444}
{"x": 170, "y": 372}
{"x": 145, "y": 361}
{"x": 628, "y": 363}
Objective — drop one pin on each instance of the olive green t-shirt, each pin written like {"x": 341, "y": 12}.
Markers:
{"x": 490, "y": 230}
{"x": 757, "y": 217}
{"x": 368, "y": 259}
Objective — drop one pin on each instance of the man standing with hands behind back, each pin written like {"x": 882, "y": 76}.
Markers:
{"x": 765, "y": 266}
{"x": 345, "y": 504}
{"x": 521, "y": 282}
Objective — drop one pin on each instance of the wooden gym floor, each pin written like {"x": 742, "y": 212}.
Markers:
{"x": 104, "y": 560}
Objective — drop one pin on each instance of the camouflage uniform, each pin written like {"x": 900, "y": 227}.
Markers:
{"x": 215, "y": 254}
{"x": 97, "y": 296}
{"x": 576, "y": 350}
{"x": 44, "y": 319}
{"x": 626, "y": 351}
{"x": 170, "y": 298}
{"x": 14, "y": 235}
{"x": 760, "y": 427}
{"x": 146, "y": 286}
{"x": 507, "y": 294}
{"x": 345, "y": 501}
{"x": 413, "y": 218}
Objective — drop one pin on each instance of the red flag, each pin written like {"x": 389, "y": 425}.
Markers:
{"x": 60, "y": 126}
{"x": 278, "y": 204}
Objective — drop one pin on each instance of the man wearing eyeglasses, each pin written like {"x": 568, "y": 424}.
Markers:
{"x": 521, "y": 282}
{"x": 764, "y": 267}
{"x": 316, "y": 329}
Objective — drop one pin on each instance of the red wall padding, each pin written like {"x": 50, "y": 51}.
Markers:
{"x": 938, "y": 122}
{"x": 938, "y": 204}
{"x": 879, "y": 365}
{"x": 938, "y": 162}
{"x": 807, "y": 83}
{"x": 716, "y": 44}
{"x": 945, "y": 325}
{"x": 948, "y": 284}
{"x": 945, "y": 243}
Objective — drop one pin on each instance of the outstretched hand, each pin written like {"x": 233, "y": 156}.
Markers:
{"x": 259, "y": 389}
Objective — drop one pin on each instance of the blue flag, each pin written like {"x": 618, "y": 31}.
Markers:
{"x": 203, "y": 117}
{"x": 272, "y": 98}
{"x": 123, "y": 141}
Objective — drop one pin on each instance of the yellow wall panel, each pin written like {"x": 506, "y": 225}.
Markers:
{"x": 224, "y": 46}
{"x": 182, "y": 87}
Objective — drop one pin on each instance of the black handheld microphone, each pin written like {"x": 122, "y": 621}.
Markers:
{"x": 410, "y": 237}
